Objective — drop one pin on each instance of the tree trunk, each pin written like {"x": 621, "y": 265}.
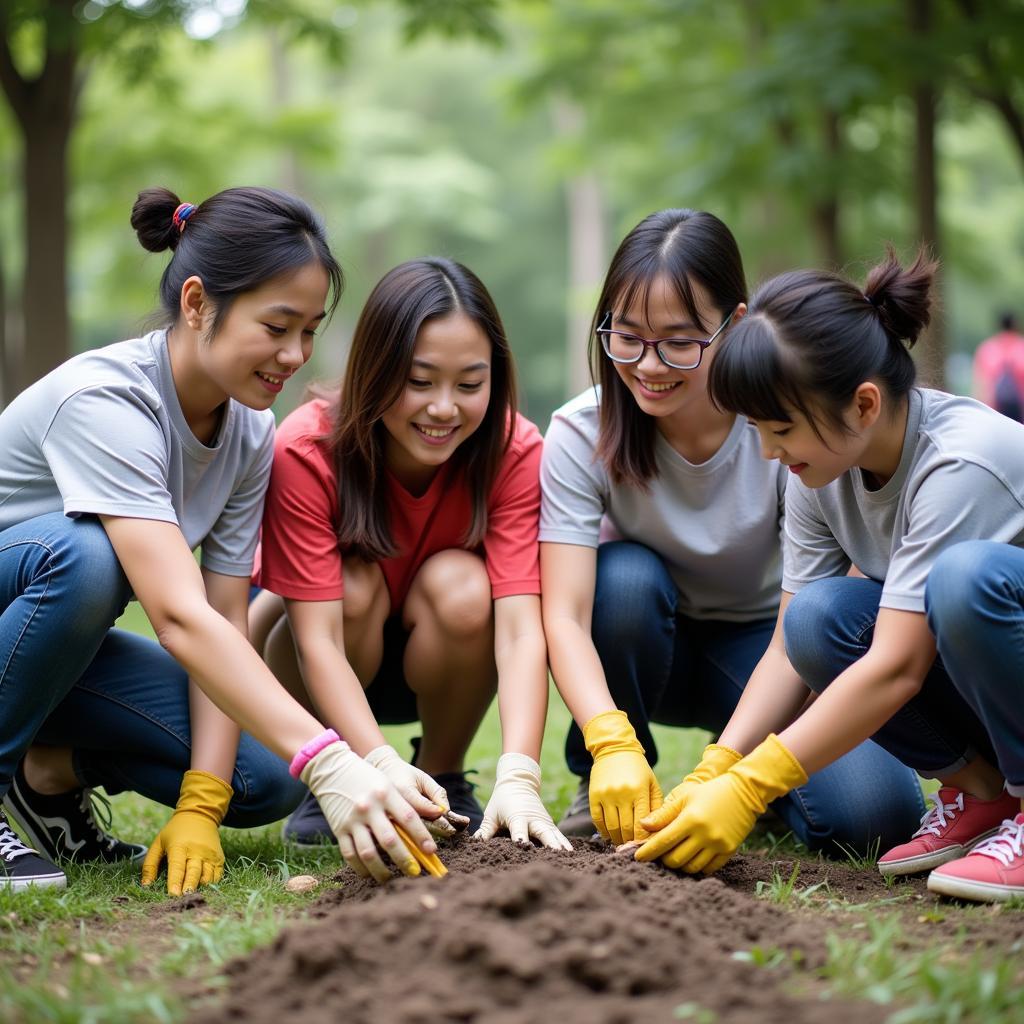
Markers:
{"x": 825, "y": 212}
{"x": 44, "y": 109}
{"x": 587, "y": 255}
{"x": 926, "y": 193}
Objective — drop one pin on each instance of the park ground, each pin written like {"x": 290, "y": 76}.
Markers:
{"x": 798, "y": 928}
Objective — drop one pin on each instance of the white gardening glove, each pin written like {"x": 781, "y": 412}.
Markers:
{"x": 360, "y": 804}
{"x": 515, "y": 804}
{"x": 423, "y": 794}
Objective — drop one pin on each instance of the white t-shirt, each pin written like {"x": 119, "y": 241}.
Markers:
{"x": 960, "y": 477}
{"x": 104, "y": 434}
{"x": 715, "y": 524}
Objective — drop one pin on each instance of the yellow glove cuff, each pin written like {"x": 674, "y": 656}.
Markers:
{"x": 769, "y": 771}
{"x": 716, "y": 760}
{"x": 610, "y": 733}
{"x": 205, "y": 794}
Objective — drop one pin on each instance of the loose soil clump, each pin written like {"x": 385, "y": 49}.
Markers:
{"x": 515, "y": 936}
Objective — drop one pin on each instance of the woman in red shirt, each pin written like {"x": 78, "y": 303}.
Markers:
{"x": 401, "y": 531}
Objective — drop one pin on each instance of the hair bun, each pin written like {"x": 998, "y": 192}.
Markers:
{"x": 902, "y": 297}
{"x": 153, "y": 219}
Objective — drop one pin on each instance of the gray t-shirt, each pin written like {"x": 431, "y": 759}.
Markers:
{"x": 104, "y": 434}
{"x": 716, "y": 525}
{"x": 960, "y": 477}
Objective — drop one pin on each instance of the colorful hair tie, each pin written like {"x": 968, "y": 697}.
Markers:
{"x": 182, "y": 214}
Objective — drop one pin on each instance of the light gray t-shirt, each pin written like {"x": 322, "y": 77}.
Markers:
{"x": 960, "y": 477}
{"x": 716, "y": 525}
{"x": 104, "y": 434}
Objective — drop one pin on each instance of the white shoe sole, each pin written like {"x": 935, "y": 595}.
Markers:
{"x": 57, "y": 880}
{"x": 963, "y": 888}
{"x": 929, "y": 861}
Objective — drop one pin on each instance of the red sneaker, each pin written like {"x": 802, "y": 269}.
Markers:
{"x": 993, "y": 870}
{"x": 952, "y": 827}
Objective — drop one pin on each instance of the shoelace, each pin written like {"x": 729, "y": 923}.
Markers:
{"x": 94, "y": 805}
{"x": 934, "y": 821}
{"x": 1006, "y": 845}
{"x": 10, "y": 845}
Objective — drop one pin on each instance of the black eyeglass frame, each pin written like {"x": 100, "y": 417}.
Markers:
{"x": 603, "y": 333}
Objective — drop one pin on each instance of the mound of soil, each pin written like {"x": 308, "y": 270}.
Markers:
{"x": 516, "y": 935}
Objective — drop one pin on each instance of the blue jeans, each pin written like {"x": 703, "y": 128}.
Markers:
{"x": 829, "y": 625}
{"x": 119, "y": 700}
{"x": 975, "y": 605}
{"x": 665, "y": 668}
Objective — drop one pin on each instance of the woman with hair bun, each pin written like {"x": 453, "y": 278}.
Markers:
{"x": 117, "y": 465}
{"x": 924, "y": 493}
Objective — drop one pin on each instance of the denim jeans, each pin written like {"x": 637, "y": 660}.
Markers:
{"x": 665, "y": 668}
{"x": 974, "y": 600}
{"x": 829, "y": 625}
{"x": 119, "y": 700}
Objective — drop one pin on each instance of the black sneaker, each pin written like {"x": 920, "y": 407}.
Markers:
{"x": 21, "y": 866}
{"x": 460, "y": 797}
{"x": 459, "y": 790}
{"x": 64, "y": 827}
{"x": 307, "y": 826}
{"x": 577, "y": 820}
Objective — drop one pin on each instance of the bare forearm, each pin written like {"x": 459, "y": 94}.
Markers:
{"x": 338, "y": 695}
{"x": 214, "y": 735}
{"x": 522, "y": 694}
{"x": 772, "y": 698}
{"x": 577, "y": 670}
{"x": 851, "y": 710}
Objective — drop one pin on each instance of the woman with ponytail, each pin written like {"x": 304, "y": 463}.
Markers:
{"x": 116, "y": 466}
{"x": 924, "y": 493}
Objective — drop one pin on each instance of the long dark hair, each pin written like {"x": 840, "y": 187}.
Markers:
{"x": 811, "y": 338}
{"x": 233, "y": 242}
{"x": 686, "y": 247}
{"x": 378, "y": 367}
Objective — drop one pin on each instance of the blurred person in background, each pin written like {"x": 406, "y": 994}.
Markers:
{"x": 999, "y": 370}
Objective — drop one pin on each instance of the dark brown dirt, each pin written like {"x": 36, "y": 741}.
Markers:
{"x": 516, "y": 935}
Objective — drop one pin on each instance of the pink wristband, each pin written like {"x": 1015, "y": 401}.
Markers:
{"x": 311, "y": 749}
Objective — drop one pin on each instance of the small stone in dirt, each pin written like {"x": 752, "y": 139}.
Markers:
{"x": 429, "y": 902}
{"x": 301, "y": 883}
{"x": 93, "y": 959}
{"x": 627, "y": 847}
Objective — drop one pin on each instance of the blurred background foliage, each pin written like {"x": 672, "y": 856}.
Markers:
{"x": 523, "y": 138}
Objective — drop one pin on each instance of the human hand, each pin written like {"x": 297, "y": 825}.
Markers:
{"x": 515, "y": 804}
{"x": 190, "y": 840}
{"x": 623, "y": 788}
{"x": 719, "y": 814}
{"x": 416, "y": 787}
{"x": 360, "y": 804}
{"x": 715, "y": 760}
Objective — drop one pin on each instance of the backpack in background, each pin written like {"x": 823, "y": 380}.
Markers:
{"x": 1006, "y": 396}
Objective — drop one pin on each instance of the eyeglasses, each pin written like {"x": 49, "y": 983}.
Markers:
{"x": 679, "y": 353}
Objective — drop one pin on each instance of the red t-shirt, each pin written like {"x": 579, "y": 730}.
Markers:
{"x": 1001, "y": 351}
{"x": 299, "y": 556}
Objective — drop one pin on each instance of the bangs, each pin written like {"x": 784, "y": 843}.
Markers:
{"x": 637, "y": 290}
{"x": 752, "y": 376}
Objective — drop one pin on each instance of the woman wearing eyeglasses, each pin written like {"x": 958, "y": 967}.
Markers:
{"x": 660, "y": 551}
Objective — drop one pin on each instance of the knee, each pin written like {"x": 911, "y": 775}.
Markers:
{"x": 632, "y": 589}
{"x": 815, "y": 617}
{"x": 88, "y": 562}
{"x": 964, "y": 580}
{"x": 457, "y": 590}
{"x": 264, "y": 790}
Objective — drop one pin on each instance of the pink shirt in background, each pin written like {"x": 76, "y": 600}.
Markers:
{"x": 1001, "y": 350}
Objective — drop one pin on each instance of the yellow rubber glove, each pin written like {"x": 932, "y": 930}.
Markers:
{"x": 190, "y": 840}
{"x": 719, "y": 814}
{"x": 623, "y": 788}
{"x": 715, "y": 761}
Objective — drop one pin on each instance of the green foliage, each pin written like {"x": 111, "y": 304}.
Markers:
{"x": 783, "y": 890}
